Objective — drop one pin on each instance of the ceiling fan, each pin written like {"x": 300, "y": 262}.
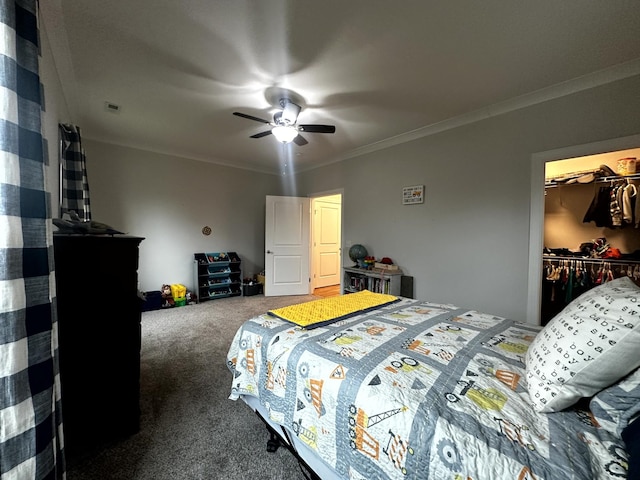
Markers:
{"x": 285, "y": 128}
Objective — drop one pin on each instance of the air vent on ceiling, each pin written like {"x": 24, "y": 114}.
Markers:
{"x": 111, "y": 107}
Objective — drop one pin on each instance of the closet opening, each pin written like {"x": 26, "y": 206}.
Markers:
{"x": 558, "y": 208}
{"x": 591, "y": 226}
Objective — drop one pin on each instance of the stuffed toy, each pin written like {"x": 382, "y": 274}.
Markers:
{"x": 167, "y": 297}
{"x": 192, "y": 297}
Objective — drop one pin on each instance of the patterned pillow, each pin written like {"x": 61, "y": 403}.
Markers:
{"x": 616, "y": 406}
{"x": 588, "y": 346}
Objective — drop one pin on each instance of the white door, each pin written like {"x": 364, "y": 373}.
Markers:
{"x": 287, "y": 246}
{"x": 326, "y": 240}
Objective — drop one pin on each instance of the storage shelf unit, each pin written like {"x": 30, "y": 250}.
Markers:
{"x": 217, "y": 275}
{"x": 375, "y": 280}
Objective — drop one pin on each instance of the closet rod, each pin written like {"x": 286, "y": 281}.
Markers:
{"x": 616, "y": 261}
{"x": 553, "y": 183}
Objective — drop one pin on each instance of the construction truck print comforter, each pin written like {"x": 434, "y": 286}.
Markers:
{"x": 416, "y": 390}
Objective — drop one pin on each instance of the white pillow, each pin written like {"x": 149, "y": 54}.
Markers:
{"x": 588, "y": 346}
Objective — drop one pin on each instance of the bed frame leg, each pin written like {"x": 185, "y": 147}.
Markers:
{"x": 274, "y": 442}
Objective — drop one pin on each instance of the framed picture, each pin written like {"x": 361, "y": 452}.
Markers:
{"x": 412, "y": 195}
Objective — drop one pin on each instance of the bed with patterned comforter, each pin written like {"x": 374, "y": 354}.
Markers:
{"x": 417, "y": 390}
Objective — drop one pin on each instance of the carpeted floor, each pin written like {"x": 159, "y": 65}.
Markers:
{"x": 189, "y": 427}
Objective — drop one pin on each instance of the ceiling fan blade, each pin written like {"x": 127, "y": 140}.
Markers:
{"x": 290, "y": 112}
{"x": 318, "y": 128}
{"x": 300, "y": 140}
{"x": 261, "y": 134}
{"x": 250, "y": 117}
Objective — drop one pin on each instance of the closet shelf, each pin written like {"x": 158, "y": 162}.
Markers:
{"x": 615, "y": 178}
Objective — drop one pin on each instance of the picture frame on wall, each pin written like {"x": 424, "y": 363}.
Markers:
{"x": 413, "y": 195}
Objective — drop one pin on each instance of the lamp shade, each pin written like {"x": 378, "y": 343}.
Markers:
{"x": 284, "y": 134}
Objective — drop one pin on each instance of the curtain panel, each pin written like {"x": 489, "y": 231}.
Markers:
{"x": 30, "y": 414}
{"x": 73, "y": 162}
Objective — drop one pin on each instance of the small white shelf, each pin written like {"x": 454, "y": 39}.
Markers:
{"x": 375, "y": 280}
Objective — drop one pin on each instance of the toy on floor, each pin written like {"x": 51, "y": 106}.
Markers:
{"x": 167, "y": 297}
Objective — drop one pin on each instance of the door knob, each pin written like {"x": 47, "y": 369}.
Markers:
{"x": 269, "y": 251}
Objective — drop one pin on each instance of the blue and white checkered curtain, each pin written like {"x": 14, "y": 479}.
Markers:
{"x": 75, "y": 186}
{"x": 30, "y": 415}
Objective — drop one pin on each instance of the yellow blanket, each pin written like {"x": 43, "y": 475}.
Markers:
{"x": 328, "y": 310}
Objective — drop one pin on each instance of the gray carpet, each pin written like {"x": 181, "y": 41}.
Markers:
{"x": 189, "y": 428}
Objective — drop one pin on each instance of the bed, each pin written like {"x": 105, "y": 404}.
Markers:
{"x": 412, "y": 389}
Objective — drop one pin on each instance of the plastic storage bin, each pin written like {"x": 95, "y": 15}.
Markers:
{"x": 249, "y": 290}
{"x": 153, "y": 300}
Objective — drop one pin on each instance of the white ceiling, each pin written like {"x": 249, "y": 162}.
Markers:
{"x": 382, "y": 72}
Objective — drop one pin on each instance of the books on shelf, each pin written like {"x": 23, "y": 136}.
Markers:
{"x": 376, "y": 285}
{"x": 375, "y": 280}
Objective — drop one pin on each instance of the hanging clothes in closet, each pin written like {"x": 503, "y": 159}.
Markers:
{"x": 615, "y": 206}
{"x": 567, "y": 279}
{"x": 630, "y": 205}
{"x": 564, "y": 280}
{"x": 599, "y": 210}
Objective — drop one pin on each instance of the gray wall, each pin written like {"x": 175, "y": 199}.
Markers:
{"x": 168, "y": 200}
{"x": 468, "y": 243}
{"x": 55, "y": 110}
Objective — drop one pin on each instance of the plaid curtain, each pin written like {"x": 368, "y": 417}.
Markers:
{"x": 30, "y": 415}
{"x": 75, "y": 187}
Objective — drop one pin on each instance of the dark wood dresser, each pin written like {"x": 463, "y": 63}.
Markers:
{"x": 99, "y": 314}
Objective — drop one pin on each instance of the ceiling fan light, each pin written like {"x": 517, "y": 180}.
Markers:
{"x": 284, "y": 133}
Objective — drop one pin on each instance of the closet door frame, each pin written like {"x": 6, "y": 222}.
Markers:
{"x": 536, "y": 214}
